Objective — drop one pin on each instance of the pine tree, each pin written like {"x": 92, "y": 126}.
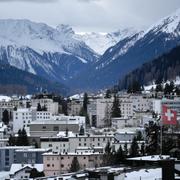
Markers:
{"x": 108, "y": 94}
{"x": 108, "y": 148}
{"x": 119, "y": 156}
{"x": 75, "y": 165}
{"x": 5, "y": 117}
{"x": 24, "y": 138}
{"x": 139, "y": 136}
{"x": 11, "y": 141}
{"x": 81, "y": 131}
{"x": 108, "y": 156}
{"x": 85, "y": 102}
{"x": 116, "y": 112}
{"x": 34, "y": 173}
{"x": 125, "y": 150}
{"x": 134, "y": 149}
{"x": 152, "y": 138}
{"x": 142, "y": 149}
{"x": 39, "y": 107}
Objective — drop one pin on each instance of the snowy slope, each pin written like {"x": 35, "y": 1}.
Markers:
{"x": 131, "y": 52}
{"x": 100, "y": 42}
{"x": 53, "y": 53}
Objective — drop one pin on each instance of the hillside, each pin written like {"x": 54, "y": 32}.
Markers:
{"x": 130, "y": 53}
{"x": 15, "y": 81}
{"x": 163, "y": 68}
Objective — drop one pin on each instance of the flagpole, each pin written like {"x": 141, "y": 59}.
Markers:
{"x": 161, "y": 138}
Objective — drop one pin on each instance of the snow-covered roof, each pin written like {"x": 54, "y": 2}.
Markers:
{"x": 5, "y": 98}
{"x": 71, "y": 154}
{"x": 33, "y": 150}
{"x": 145, "y": 174}
{"x": 17, "y": 167}
{"x": 151, "y": 158}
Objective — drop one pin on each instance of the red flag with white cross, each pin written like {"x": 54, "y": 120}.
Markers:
{"x": 169, "y": 116}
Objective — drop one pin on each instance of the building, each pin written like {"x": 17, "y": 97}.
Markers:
{"x": 51, "y": 106}
{"x": 56, "y": 124}
{"x": 8, "y": 156}
{"x": 30, "y": 156}
{"x": 122, "y": 122}
{"x": 99, "y": 111}
{"x": 74, "y": 107}
{"x": 73, "y": 142}
{"x": 22, "y": 118}
{"x": 6, "y": 105}
{"x": 57, "y": 163}
{"x": 22, "y": 171}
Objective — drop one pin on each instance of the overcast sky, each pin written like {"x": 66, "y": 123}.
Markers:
{"x": 90, "y": 15}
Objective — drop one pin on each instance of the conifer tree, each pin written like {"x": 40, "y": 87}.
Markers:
{"x": 119, "y": 156}
{"x": 134, "y": 149}
{"x": 75, "y": 165}
{"x": 5, "y": 117}
{"x": 116, "y": 112}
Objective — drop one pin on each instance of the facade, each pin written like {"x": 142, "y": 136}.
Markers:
{"x": 122, "y": 122}
{"x": 51, "y": 106}
{"x": 126, "y": 107}
{"x": 74, "y": 107}
{"x": 57, "y": 163}
{"x": 30, "y": 156}
{"x": 22, "y": 118}
{"x": 22, "y": 171}
{"x": 6, "y": 105}
{"x": 8, "y": 156}
{"x": 58, "y": 123}
{"x": 99, "y": 111}
{"x": 72, "y": 143}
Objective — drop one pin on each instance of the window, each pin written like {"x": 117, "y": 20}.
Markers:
{"x": 62, "y": 165}
{"x": 50, "y": 145}
{"x": 62, "y": 157}
{"x": 48, "y": 165}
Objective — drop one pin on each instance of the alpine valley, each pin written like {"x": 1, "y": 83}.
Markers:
{"x": 84, "y": 61}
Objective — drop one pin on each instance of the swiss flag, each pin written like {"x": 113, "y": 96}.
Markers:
{"x": 169, "y": 116}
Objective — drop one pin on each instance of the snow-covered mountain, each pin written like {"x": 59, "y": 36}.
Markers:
{"x": 132, "y": 52}
{"x": 43, "y": 50}
{"x": 100, "y": 42}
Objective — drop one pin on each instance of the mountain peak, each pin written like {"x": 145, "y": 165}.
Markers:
{"x": 65, "y": 29}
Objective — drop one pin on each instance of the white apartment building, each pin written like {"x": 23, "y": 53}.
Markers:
{"x": 126, "y": 107}
{"x": 99, "y": 111}
{"x": 140, "y": 103}
{"x": 74, "y": 142}
{"x": 51, "y": 106}
{"x": 22, "y": 118}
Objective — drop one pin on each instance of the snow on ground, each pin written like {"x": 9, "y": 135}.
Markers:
{"x": 4, "y": 175}
{"x": 144, "y": 174}
{"x": 153, "y": 85}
